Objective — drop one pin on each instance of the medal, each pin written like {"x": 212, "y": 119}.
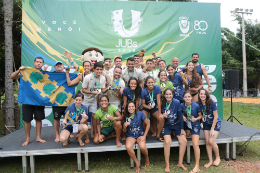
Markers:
{"x": 163, "y": 85}
{"x": 167, "y": 111}
{"x": 107, "y": 115}
{"x": 204, "y": 119}
{"x": 204, "y": 114}
{"x": 151, "y": 99}
{"x": 99, "y": 90}
{"x": 152, "y": 104}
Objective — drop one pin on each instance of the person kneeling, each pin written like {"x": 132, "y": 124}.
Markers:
{"x": 75, "y": 115}
{"x": 133, "y": 126}
{"x": 111, "y": 118}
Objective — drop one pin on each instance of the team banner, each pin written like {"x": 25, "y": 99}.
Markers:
{"x": 43, "y": 88}
{"x": 170, "y": 29}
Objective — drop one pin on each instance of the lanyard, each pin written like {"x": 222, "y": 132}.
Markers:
{"x": 188, "y": 110}
{"x": 204, "y": 111}
{"x": 168, "y": 106}
{"x": 129, "y": 74}
{"x": 97, "y": 84}
{"x": 79, "y": 111}
{"x": 133, "y": 96}
{"x": 149, "y": 74}
{"x": 104, "y": 112}
{"x": 132, "y": 116}
{"x": 151, "y": 97}
{"x": 189, "y": 81}
{"x": 176, "y": 70}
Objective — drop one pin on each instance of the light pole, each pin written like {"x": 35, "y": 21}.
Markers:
{"x": 247, "y": 11}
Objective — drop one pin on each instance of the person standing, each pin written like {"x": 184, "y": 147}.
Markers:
{"x": 29, "y": 111}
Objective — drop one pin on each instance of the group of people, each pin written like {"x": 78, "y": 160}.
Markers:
{"x": 128, "y": 102}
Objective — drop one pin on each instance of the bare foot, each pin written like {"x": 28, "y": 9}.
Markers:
{"x": 182, "y": 166}
{"x": 195, "y": 170}
{"x": 81, "y": 143}
{"x": 72, "y": 136}
{"x": 26, "y": 143}
{"x": 65, "y": 144}
{"x": 147, "y": 162}
{"x": 154, "y": 134}
{"x": 167, "y": 170}
{"x": 118, "y": 143}
{"x": 217, "y": 161}
{"x": 57, "y": 139}
{"x": 124, "y": 138}
{"x": 40, "y": 140}
{"x": 208, "y": 165}
{"x": 137, "y": 169}
{"x": 76, "y": 137}
{"x": 87, "y": 141}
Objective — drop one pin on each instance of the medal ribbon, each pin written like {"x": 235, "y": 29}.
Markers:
{"x": 168, "y": 105}
{"x": 188, "y": 111}
{"x": 149, "y": 74}
{"x": 132, "y": 116}
{"x": 104, "y": 112}
{"x": 204, "y": 111}
{"x": 189, "y": 81}
{"x": 176, "y": 70}
{"x": 151, "y": 97}
{"x": 97, "y": 84}
{"x": 129, "y": 74}
{"x": 133, "y": 96}
{"x": 79, "y": 111}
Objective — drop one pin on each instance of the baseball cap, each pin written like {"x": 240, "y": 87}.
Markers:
{"x": 58, "y": 62}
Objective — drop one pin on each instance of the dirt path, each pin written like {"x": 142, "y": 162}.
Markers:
{"x": 243, "y": 100}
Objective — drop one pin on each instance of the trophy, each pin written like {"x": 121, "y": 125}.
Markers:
{"x": 142, "y": 52}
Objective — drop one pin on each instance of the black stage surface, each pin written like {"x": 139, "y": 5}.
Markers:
{"x": 12, "y": 144}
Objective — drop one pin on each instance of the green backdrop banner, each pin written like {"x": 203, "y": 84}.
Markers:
{"x": 171, "y": 29}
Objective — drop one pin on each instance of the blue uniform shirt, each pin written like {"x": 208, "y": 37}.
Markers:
{"x": 74, "y": 112}
{"x": 210, "y": 116}
{"x": 195, "y": 110}
{"x": 175, "y": 116}
{"x": 135, "y": 129}
{"x": 127, "y": 93}
{"x": 178, "y": 86}
{"x": 199, "y": 70}
{"x": 146, "y": 96}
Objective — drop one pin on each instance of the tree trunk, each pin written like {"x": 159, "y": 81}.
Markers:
{"x": 9, "y": 95}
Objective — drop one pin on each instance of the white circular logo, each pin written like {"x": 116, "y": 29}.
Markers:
{"x": 200, "y": 25}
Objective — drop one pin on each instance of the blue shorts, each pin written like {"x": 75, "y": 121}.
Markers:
{"x": 136, "y": 136}
{"x": 152, "y": 111}
{"x": 69, "y": 128}
{"x": 167, "y": 129}
{"x": 208, "y": 127}
{"x": 195, "y": 129}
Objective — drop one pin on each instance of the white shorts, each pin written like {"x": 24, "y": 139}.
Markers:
{"x": 117, "y": 104}
{"x": 91, "y": 107}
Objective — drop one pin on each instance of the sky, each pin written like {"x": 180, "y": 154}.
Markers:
{"x": 230, "y": 5}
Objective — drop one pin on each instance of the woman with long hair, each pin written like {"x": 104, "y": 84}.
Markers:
{"x": 133, "y": 127}
{"x": 132, "y": 92}
{"x": 164, "y": 83}
{"x": 211, "y": 125}
{"x": 178, "y": 80}
{"x": 172, "y": 113}
{"x": 111, "y": 118}
{"x": 194, "y": 81}
{"x": 191, "y": 116}
{"x": 151, "y": 102}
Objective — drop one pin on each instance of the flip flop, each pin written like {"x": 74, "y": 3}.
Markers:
{"x": 160, "y": 139}
{"x": 65, "y": 144}
{"x": 81, "y": 144}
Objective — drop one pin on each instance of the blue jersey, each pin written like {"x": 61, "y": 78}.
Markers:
{"x": 127, "y": 93}
{"x": 178, "y": 86}
{"x": 210, "y": 116}
{"x": 75, "y": 113}
{"x": 145, "y": 95}
{"x": 199, "y": 70}
{"x": 135, "y": 129}
{"x": 195, "y": 110}
{"x": 175, "y": 116}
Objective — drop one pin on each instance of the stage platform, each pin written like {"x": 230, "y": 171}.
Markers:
{"x": 12, "y": 144}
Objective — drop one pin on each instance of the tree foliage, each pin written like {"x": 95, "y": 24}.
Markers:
{"x": 232, "y": 57}
{"x": 17, "y": 27}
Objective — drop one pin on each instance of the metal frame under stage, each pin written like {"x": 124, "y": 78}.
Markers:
{"x": 230, "y": 134}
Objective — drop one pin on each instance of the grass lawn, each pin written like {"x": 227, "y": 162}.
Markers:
{"x": 248, "y": 114}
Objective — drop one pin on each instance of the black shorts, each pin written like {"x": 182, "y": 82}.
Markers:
{"x": 31, "y": 110}
{"x": 58, "y": 111}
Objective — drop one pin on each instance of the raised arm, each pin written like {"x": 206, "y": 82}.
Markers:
{"x": 71, "y": 62}
{"x": 16, "y": 74}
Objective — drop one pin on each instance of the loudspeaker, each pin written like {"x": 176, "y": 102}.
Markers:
{"x": 232, "y": 79}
